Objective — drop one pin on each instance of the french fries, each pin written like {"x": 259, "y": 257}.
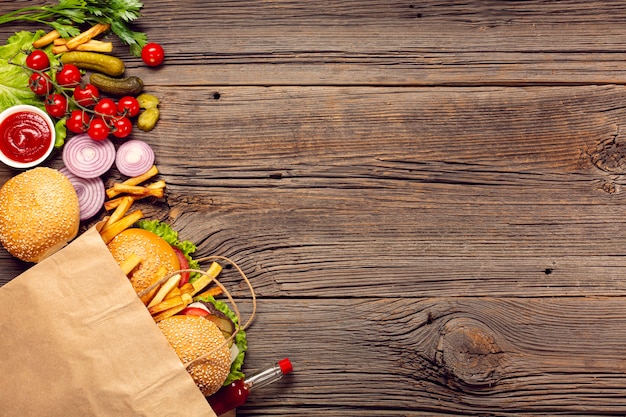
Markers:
{"x": 108, "y": 233}
{"x": 60, "y": 46}
{"x": 46, "y": 39}
{"x": 135, "y": 181}
{"x": 120, "y": 211}
{"x": 147, "y": 295}
{"x": 130, "y": 263}
{"x": 204, "y": 280}
{"x": 118, "y": 221}
{"x": 165, "y": 288}
{"x": 165, "y": 296}
{"x": 87, "y": 35}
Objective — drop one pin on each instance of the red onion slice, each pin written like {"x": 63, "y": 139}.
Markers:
{"x": 87, "y": 158}
{"x": 90, "y": 191}
{"x": 134, "y": 158}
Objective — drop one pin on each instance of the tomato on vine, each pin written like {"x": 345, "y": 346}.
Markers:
{"x": 56, "y": 105}
{"x": 122, "y": 127}
{"x": 78, "y": 121}
{"x": 98, "y": 129}
{"x": 86, "y": 95}
{"x": 69, "y": 76}
{"x": 128, "y": 106}
{"x": 40, "y": 83}
{"x": 106, "y": 108}
{"x": 38, "y": 60}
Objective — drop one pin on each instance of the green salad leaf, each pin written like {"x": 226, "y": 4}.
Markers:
{"x": 66, "y": 14}
{"x": 14, "y": 88}
{"x": 240, "y": 338}
{"x": 14, "y": 79}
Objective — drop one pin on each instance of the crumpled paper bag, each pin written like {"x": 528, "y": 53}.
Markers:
{"x": 76, "y": 341}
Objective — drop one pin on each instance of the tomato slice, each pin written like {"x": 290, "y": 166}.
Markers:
{"x": 195, "y": 311}
{"x": 184, "y": 264}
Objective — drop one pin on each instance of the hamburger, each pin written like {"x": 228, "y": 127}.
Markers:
{"x": 39, "y": 214}
{"x": 199, "y": 332}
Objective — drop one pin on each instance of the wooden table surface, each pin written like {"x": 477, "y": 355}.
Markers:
{"x": 427, "y": 196}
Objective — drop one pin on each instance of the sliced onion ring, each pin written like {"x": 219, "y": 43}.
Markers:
{"x": 90, "y": 191}
{"x": 87, "y": 158}
{"x": 134, "y": 158}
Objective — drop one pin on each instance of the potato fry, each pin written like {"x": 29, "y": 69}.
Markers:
{"x": 147, "y": 295}
{"x": 120, "y": 211}
{"x": 165, "y": 288}
{"x": 213, "y": 292}
{"x": 130, "y": 263}
{"x": 187, "y": 289}
{"x": 174, "y": 292}
{"x": 135, "y": 180}
{"x": 60, "y": 46}
{"x": 172, "y": 311}
{"x": 108, "y": 233}
{"x": 152, "y": 190}
{"x": 46, "y": 39}
{"x": 204, "y": 280}
{"x": 166, "y": 305}
{"x": 87, "y": 35}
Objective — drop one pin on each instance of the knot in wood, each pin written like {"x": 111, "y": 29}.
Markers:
{"x": 469, "y": 353}
{"x": 610, "y": 155}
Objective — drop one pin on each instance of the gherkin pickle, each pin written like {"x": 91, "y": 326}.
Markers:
{"x": 147, "y": 101}
{"x": 148, "y": 118}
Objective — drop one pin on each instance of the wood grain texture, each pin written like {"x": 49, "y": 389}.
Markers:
{"x": 428, "y": 196}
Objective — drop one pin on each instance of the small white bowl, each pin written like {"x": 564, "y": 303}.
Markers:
{"x": 32, "y": 109}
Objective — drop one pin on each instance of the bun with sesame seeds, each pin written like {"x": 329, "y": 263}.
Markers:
{"x": 39, "y": 214}
{"x": 154, "y": 251}
{"x": 192, "y": 337}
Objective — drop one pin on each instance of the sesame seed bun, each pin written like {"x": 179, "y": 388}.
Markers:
{"x": 39, "y": 214}
{"x": 192, "y": 337}
{"x": 152, "y": 249}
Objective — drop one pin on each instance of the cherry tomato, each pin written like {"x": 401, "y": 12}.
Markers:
{"x": 38, "y": 60}
{"x": 122, "y": 127}
{"x": 69, "y": 76}
{"x": 184, "y": 264}
{"x": 56, "y": 105}
{"x": 128, "y": 106}
{"x": 78, "y": 122}
{"x": 152, "y": 54}
{"x": 98, "y": 129}
{"x": 106, "y": 108}
{"x": 86, "y": 96}
{"x": 195, "y": 311}
{"x": 40, "y": 83}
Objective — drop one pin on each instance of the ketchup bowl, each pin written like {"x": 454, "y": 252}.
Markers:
{"x": 26, "y": 136}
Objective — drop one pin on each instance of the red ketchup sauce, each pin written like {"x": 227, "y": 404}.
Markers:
{"x": 24, "y": 137}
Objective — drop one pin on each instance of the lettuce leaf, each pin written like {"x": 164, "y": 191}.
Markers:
{"x": 240, "y": 339}
{"x": 171, "y": 236}
{"x": 14, "y": 79}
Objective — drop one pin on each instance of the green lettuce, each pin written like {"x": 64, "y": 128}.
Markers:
{"x": 14, "y": 88}
{"x": 240, "y": 338}
{"x": 171, "y": 236}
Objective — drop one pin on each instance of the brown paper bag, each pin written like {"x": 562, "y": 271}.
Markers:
{"x": 76, "y": 341}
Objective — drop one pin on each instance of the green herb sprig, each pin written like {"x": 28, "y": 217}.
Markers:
{"x": 67, "y": 14}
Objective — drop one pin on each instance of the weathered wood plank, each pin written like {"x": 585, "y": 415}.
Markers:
{"x": 477, "y": 191}
{"x": 442, "y": 356}
{"x": 381, "y": 43}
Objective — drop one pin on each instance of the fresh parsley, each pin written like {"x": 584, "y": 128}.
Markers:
{"x": 67, "y": 14}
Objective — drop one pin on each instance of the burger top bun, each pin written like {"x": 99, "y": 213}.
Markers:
{"x": 152, "y": 249}
{"x": 192, "y": 337}
{"x": 39, "y": 214}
